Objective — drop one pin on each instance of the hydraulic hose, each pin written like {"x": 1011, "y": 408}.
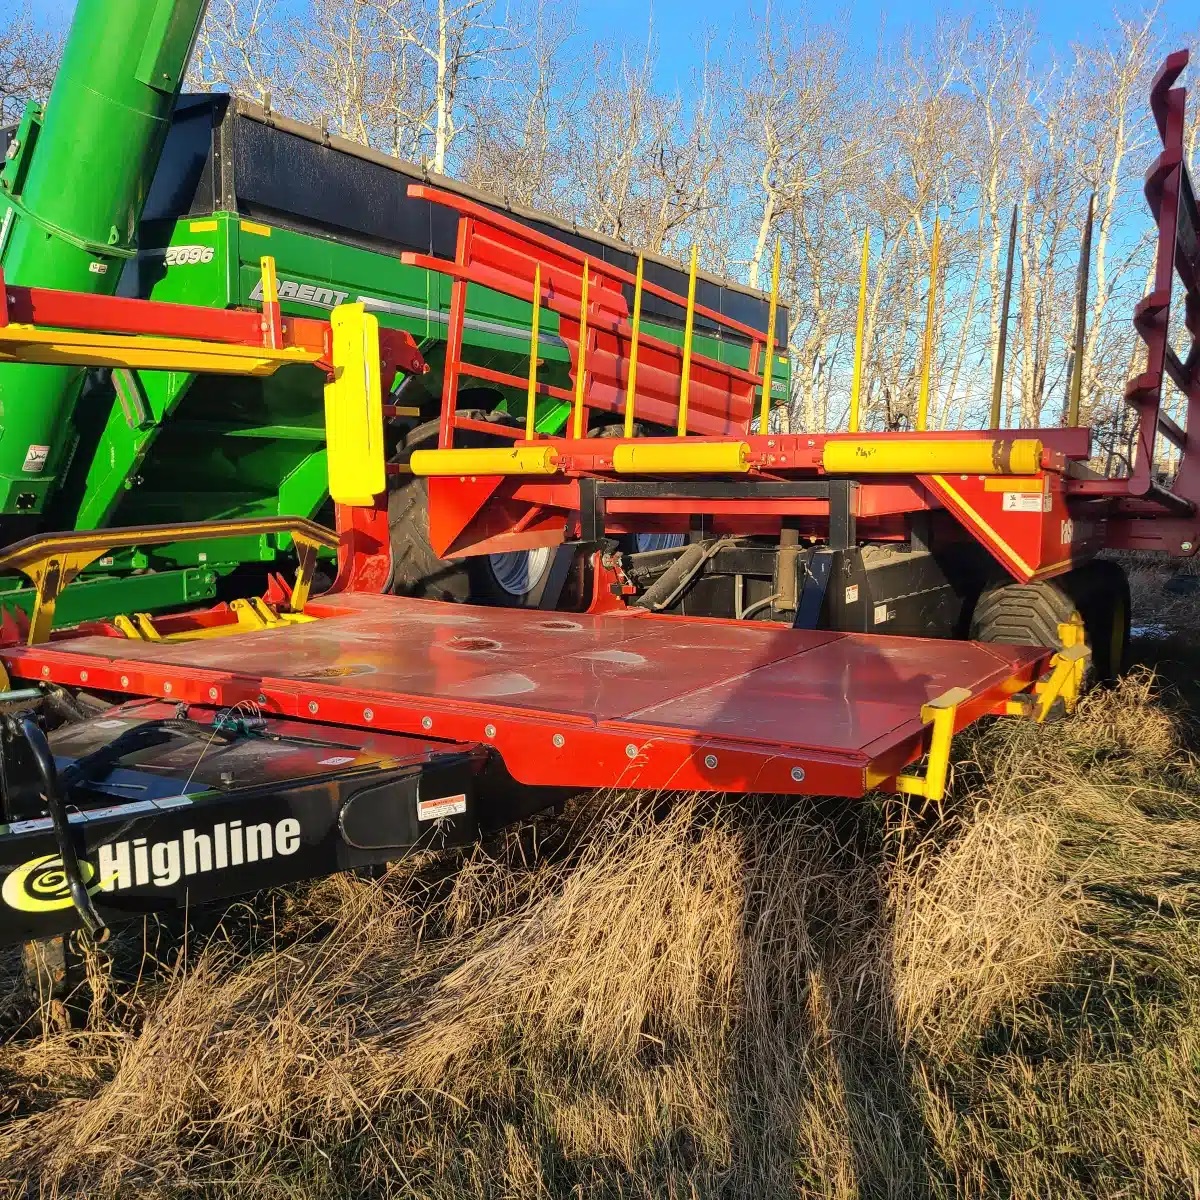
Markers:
{"x": 672, "y": 583}
{"x": 43, "y": 758}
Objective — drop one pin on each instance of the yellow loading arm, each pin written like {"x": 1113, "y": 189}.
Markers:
{"x": 52, "y": 561}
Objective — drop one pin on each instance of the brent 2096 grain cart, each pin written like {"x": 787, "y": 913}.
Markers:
{"x": 842, "y": 603}
{"x": 121, "y": 185}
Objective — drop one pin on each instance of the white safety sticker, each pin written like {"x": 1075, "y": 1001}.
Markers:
{"x": 852, "y": 594}
{"x": 1023, "y": 502}
{"x": 98, "y": 268}
{"x": 130, "y": 809}
{"x": 339, "y": 760}
{"x": 173, "y": 801}
{"x": 35, "y": 459}
{"x": 881, "y": 613}
{"x": 443, "y": 806}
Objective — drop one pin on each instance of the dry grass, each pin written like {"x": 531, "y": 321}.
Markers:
{"x": 694, "y": 999}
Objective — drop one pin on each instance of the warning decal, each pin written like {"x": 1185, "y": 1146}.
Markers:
{"x": 443, "y": 806}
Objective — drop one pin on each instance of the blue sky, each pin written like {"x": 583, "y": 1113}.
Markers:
{"x": 679, "y": 23}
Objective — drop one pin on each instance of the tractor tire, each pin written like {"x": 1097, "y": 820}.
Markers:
{"x": 1029, "y": 614}
{"x": 500, "y": 580}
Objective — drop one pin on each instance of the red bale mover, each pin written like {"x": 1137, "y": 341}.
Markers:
{"x": 719, "y": 607}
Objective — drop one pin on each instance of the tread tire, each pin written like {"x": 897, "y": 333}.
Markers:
{"x": 1028, "y": 614}
{"x": 416, "y": 570}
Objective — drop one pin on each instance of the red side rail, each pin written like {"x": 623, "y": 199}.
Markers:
{"x": 51, "y": 308}
{"x": 497, "y": 252}
{"x": 119, "y": 314}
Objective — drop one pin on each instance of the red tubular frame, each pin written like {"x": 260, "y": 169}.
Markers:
{"x": 499, "y": 253}
{"x": 51, "y": 308}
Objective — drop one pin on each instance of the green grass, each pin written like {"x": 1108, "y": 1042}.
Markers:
{"x": 708, "y": 999}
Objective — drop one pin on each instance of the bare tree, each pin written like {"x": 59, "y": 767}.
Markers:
{"x": 788, "y": 132}
{"x": 29, "y": 52}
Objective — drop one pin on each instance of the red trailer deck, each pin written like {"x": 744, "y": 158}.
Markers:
{"x": 623, "y": 699}
{"x": 283, "y": 737}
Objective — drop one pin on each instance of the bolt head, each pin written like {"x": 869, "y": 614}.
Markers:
{"x": 166, "y": 689}
{"x": 124, "y": 680}
{"x": 559, "y": 740}
{"x": 368, "y": 714}
{"x": 426, "y": 722}
{"x": 1185, "y": 545}
{"x": 710, "y": 762}
{"x": 45, "y": 672}
{"x": 489, "y": 731}
{"x": 83, "y": 677}
{"x": 312, "y": 707}
{"x": 212, "y": 693}
{"x": 262, "y": 698}
{"x": 797, "y": 774}
{"x": 631, "y": 751}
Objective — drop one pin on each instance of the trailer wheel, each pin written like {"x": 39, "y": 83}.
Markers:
{"x": 1029, "y": 614}
{"x": 504, "y": 580}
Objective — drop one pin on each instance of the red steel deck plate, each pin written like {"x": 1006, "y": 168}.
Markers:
{"x": 628, "y": 700}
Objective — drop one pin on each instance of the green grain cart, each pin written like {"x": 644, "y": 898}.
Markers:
{"x": 122, "y": 185}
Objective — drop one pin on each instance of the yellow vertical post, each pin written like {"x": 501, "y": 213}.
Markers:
{"x": 581, "y": 366}
{"x": 685, "y": 374}
{"x": 272, "y": 331}
{"x": 1079, "y": 342}
{"x": 636, "y": 327}
{"x": 859, "y": 332}
{"x": 531, "y": 393}
{"x": 1002, "y": 345}
{"x": 769, "y": 365}
{"x": 927, "y": 349}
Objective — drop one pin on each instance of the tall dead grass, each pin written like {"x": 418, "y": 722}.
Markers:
{"x": 689, "y": 999}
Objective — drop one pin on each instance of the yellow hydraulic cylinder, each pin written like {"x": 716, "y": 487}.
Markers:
{"x": 930, "y": 456}
{"x": 487, "y": 460}
{"x": 682, "y": 458}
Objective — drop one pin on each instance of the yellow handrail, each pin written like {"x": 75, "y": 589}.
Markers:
{"x": 631, "y": 384}
{"x": 685, "y": 374}
{"x": 927, "y": 349}
{"x": 581, "y": 369}
{"x": 860, "y": 330}
{"x": 531, "y": 393}
{"x": 769, "y": 365}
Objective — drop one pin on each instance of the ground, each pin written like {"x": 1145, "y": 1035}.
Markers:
{"x": 697, "y": 999}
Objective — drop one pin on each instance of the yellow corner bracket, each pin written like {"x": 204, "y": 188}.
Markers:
{"x": 939, "y": 714}
{"x": 251, "y": 615}
{"x": 1067, "y": 670}
{"x": 354, "y": 409}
